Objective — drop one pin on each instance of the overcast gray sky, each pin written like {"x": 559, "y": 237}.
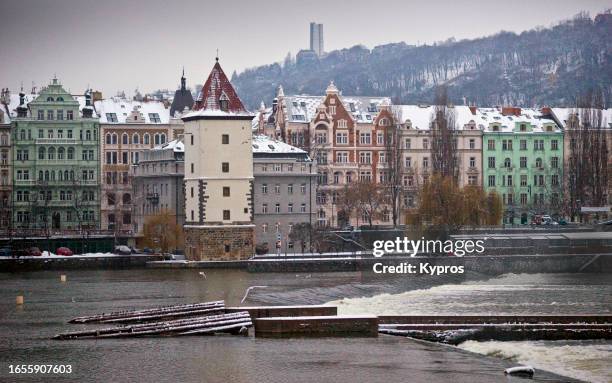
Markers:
{"x": 123, "y": 44}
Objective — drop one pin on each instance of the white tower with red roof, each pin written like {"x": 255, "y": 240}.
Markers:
{"x": 218, "y": 174}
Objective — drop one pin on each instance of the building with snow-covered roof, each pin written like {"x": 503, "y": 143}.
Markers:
{"x": 6, "y": 168}
{"x": 158, "y": 185}
{"x": 218, "y": 174}
{"x": 283, "y": 195}
{"x": 522, "y": 161}
{"x": 128, "y": 128}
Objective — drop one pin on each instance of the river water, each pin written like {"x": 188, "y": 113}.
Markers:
{"x": 49, "y": 303}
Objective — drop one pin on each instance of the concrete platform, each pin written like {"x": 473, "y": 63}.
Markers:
{"x": 285, "y": 311}
{"x": 317, "y": 326}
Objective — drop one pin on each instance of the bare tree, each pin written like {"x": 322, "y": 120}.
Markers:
{"x": 443, "y": 127}
{"x": 370, "y": 199}
{"x": 587, "y": 165}
{"x": 393, "y": 166}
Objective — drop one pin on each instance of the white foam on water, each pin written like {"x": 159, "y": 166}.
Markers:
{"x": 585, "y": 360}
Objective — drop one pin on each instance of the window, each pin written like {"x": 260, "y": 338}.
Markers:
{"x": 147, "y": 139}
{"x": 380, "y": 138}
{"x": 264, "y": 228}
{"x": 554, "y": 180}
{"x": 425, "y": 143}
{"x": 523, "y": 198}
{"x": 523, "y": 162}
{"x": 472, "y": 162}
{"x": 278, "y": 167}
{"x": 342, "y": 124}
{"x": 264, "y": 208}
{"x": 225, "y": 139}
{"x": 407, "y": 143}
{"x": 507, "y": 163}
{"x": 365, "y": 157}
{"x": 277, "y": 208}
{"x": 538, "y": 162}
{"x": 341, "y": 138}
{"x": 226, "y": 191}
{"x": 154, "y": 118}
{"x": 507, "y": 145}
{"x": 554, "y": 145}
{"x": 491, "y": 144}
{"x": 523, "y": 144}
{"x": 491, "y": 162}
{"x": 523, "y": 179}
{"x": 49, "y": 115}
{"x": 111, "y": 117}
{"x": 303, "y": 208}
{"x": 277, "y": 188}
{"x": 290, "y": 189}
{"x": 290, "y": 208}
{"x": 303, "y": 188}
{"x": 408, "y": 162}
{"x": 124, "y": 139}
{"x": 41, "y": 114}
{"x": 365, "y": 138}
{"x": 321, "y": 138}
{"x": 472, "y": 179}
{"x": 554, "y": 162}
{"x": 472, "y": 143}
{"x": 70, "y": 115}
{"x": 538, "y": 144}
{"x": 192, "y": 167}
{"x": 491, "y": 181}
{"x": 60, "y": 115}
{"x": 321, "y": 158}
{"x": 226, "y": 215}
{"x": 509, "y": 180}
{"x": 425, "y": 162}
{"x": 342, "y": 157}
{"x": 225, "y": 167}
{"x": 125, "y": 158}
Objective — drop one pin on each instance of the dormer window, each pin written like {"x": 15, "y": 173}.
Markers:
{"x": 523, "y": 128}
{"x": 495, "y": 128}
{"x": 50, "y": 99}
{"x": 224, "y": 103}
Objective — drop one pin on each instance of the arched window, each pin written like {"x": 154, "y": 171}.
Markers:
{"x": 507, "y": 163}
{"x": 114, "y": 139}
{"x": 66, "y": 175}
{"x": 124, "y": 139}
{"x": 46, "y": 175}
{"x": 71, "y": 153}
{"x": 156, "y": 139}
{"x": 60, "y": 99}
{"x": 49, "y": 99}
{"x": 40, "y": 175}
{"x": 110, "y": 198}
{"x": 23, "y": 134}
{"x": 41, "y": 153}
{"x": 108, "y": 138}
{"x": 51, "y": 153}
{"x": 60, "y": 175}
{"x": 146, "y": 139}
{"x": 72, "y": 175}
{"x": 384, "y": 122}
{"x": 60, "y": 153}
{"x": 538, "y": 162}
{"x": 127, "y": 199}
{"x": 136, "y": 138}
{"x": 52, "y": 175}
{"x": 163, "y": 138}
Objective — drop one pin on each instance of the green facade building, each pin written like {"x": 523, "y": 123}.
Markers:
{"x": 56, "y": 164}
{"x": 522, "y": 161}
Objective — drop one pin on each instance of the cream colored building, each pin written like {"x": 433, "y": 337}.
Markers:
{"x": 218, "y": 174}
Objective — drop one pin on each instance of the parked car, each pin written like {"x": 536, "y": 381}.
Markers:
{"x": 562, "y": 221}
{"x": 123, "y": 250}
{"x": 66, "y": 252}
{"x": 34, "y": 251}
{"x": 547, "y": 220}
{"x": 147, "y": 250}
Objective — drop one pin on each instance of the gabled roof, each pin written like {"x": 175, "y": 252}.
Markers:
{"x": 303, "y": 108}
{"x": 117, "y": 110}
{"x": 217, "y": 88}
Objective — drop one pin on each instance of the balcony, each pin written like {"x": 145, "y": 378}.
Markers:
{"x": 56, "y": 141}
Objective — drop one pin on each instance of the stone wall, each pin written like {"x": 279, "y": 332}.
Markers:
{"x": 220, "y": 243}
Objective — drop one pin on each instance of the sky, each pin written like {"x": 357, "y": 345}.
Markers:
{"x": 112, "y": 45}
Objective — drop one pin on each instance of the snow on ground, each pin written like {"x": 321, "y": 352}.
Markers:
{"x": 47, "y": 255}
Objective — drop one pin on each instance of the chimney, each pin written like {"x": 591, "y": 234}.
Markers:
{"x": 511, "y": 111}
{"x": 546, "y": 111}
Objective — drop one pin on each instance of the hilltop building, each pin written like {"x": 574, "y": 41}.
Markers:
{"x": 218, "y": 174}
{"x": 316, "y": 38}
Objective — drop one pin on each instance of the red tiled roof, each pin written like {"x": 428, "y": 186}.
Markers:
{"x": 216, "y": 87}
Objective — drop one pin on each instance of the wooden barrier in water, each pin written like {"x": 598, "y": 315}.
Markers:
{"x": 158, "y": 313}
{"x": 317, "y": 326}
{"x": 500, "y": 319}
{"x": 235, "y": 323}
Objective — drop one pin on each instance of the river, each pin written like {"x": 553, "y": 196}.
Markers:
{"x": 49, "y": 303}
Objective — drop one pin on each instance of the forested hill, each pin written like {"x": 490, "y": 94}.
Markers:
{"x": 543, "y": 66}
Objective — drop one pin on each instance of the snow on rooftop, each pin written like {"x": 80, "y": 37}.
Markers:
{"x": 264, "y": 144}
{"x": 303, "y": 108}
{"x": 118, "y": 109}
{"x": 176, "y": 145}
{"x": 562, "y": 115}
